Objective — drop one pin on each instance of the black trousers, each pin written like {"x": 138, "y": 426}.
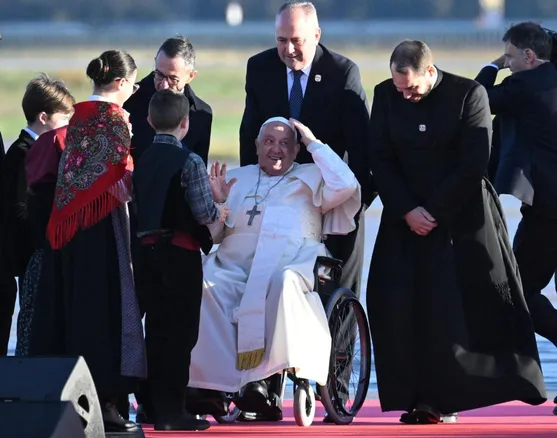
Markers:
{"x": 8, "y": 295}
{"x": 169, "y": 284}
{"x": 350, "y": 249}
{"x": 535, "y": 249}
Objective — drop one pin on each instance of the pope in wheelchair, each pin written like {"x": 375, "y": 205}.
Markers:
{"x": 260, "y": 314}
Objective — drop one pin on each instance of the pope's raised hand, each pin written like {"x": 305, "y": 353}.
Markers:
{"x": 306, "y": 135}
{"x": 217, "y": 180}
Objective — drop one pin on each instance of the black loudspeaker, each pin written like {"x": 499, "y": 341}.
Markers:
{"x": 40, "y": 420}
{"x": 52, "y": 379}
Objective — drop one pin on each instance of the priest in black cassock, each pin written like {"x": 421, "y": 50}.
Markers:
{"x": 450, "y": 327}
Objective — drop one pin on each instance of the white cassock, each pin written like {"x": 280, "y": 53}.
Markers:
{"x": 258, "y": 303}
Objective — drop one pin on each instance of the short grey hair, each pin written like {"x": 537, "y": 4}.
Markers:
{"x": 308, "y": 8}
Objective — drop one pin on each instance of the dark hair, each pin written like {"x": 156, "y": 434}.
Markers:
{"x": 529, "y": 35}
{"x": 167, "y": 109}
{"x": 411, "y": 54}
{"x": 46, "y": 95}
{"x": 553, "y": 35}
{"x": 179, "y": 46}
{"x": 308, "y": 7}
{"x": 111, "y": 65}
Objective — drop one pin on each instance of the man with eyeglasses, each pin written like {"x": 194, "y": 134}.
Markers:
{"x": 174, "y": 68}
{"x": 525, "y": 104}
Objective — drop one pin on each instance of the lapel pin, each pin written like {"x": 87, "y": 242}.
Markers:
{"x": 317, "y": 78}
{"x": 422, "y": 128}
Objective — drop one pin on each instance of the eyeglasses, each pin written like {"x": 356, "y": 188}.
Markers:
{"x": 171, "y": 80}
{"x": 135, "y": 86}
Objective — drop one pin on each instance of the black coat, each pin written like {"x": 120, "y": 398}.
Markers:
{"x": 15, "y": 241}
{"x": 525, "y": 104}
{"x": 2, "y": 151}
{"x": 449, "y": 323}
{"x": 334, "y": 107}
{"x": 198, "y": 137}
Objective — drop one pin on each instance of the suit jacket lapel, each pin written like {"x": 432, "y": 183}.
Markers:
{"x": 313, "y": 88}
{"x": 192, "y": 137}
{"x": 280, "y": 92}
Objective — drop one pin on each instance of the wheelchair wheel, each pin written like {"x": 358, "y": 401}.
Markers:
{"x": 350, "y": 362}
{"x": 304, "y": 405}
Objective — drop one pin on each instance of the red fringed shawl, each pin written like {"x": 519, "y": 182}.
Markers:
{"x": 94, "y": 176}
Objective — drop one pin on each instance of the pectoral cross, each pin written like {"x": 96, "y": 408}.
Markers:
{"x": 252, "y": 213}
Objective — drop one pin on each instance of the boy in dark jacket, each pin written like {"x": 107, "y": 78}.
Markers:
{"x": 174, "y": 205}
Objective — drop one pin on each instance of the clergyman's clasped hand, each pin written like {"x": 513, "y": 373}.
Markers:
{"x": 420, "y": 221}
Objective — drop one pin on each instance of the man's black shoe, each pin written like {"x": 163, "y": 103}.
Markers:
{"x": 113, "y": 421}
{"x": 184, "y": 422}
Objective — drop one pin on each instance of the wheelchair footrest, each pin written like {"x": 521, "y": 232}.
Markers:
{"x": 255, "y": 401}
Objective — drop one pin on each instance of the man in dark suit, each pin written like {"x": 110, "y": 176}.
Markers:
{"x": 526, "y": 105}
{"x": 174, "y": 68}
{"x": 2, "y": 150}
{"x": 47, "y": 104}
{"x": 300, "y": 78}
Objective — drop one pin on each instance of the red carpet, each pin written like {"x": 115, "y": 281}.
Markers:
{"x": 502, "y": 421}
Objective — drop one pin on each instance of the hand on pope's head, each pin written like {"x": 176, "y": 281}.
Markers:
{"x": 306, "y": 135}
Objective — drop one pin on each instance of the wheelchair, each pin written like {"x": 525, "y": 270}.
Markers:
{"x": 349, "y": 364}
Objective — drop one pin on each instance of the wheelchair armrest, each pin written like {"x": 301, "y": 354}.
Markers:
{"x": 332, "y": 278}
{"x": 329, "y": 262}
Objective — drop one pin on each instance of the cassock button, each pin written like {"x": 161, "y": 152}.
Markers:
{"x": 422, "y": 128}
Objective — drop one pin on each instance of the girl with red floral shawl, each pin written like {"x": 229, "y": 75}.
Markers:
{"x": 89, "y": 226}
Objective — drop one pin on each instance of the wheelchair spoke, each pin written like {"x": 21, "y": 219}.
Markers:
{"x": 349, "y": 379}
